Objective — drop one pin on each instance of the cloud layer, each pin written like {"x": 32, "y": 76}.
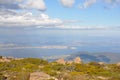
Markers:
{"x": 27, "y": 19}
{"x": 41, "y": 5}
{"x": 11, "y": 17}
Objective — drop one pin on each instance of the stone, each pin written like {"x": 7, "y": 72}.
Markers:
{"x": 118, "y": 64}
{"x": 61, "y": 61}
{"x": 78, "y": 60}
{"x": 101, "y": 63}
{"x": 39, "y": 76}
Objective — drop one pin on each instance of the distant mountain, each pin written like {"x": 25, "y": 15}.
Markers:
{"x": 107, "y": 57}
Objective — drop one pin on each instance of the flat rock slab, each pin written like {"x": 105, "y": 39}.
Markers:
{"x": 39, "y": 76}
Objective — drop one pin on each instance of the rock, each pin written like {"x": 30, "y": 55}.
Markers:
{"x": 102, "y": 78}
{"x": 53, "y": 78}
{"x": 39, "y": 76}
{"x": 4, "y": 60}
{"x": 101, "y": 63}
{"x": 61, "y": 61}
{"x": 78, "y": 60}
{"x": 118, "y": 64}
{"x": 8, "y": 59}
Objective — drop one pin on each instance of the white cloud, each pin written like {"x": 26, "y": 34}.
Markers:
{"x": 83, "y": 27}
{"x": 112, "y": 2}
{"x": 10, "y": 4}
{"x": 10, "y": 17}
{"x": 87, "y": 3}
{"x": 7, "y": 12}
{"x": 44, "y": 16}
{"x": 34, "y": 4}
{"x": 27, "y": 19}
{"x": 26, "y": 4}
{"x": 9, "y": 1}
{"x": 14, "y": 19}
{"x": 67, "y": 3}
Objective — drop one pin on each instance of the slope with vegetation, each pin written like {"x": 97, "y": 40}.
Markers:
{"x": 38, "y": 69}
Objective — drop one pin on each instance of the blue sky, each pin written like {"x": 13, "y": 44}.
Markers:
{"x": 94, "y": 15}
{"x": 60, "y": 13}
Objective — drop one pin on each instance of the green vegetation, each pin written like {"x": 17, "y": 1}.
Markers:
{"x": 21, "y": 69}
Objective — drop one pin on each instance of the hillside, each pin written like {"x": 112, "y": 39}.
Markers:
{"x": 106, "y": 57}
{"x": 38, "y": 69}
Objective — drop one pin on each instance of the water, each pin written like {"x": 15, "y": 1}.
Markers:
{"x": 28, "y": 42}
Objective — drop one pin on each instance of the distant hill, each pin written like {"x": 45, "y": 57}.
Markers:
{"x": 107, "y": 57}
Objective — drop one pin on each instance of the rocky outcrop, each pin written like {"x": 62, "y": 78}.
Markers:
{"x": 118, "y": 64}
{"x": 8, "y": 59}
{"x": 102, "y": 78}
{"x": 4, "y": 60}
{"x": 39, "y": 76}
{"x": 101, "y": 63}
{"x": 78, "y": 60}
{"x": 61, "y": 61}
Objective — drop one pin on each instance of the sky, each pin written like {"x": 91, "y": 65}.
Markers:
{"x": 62, "y": 14}
{"x": 28, "y": 22}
